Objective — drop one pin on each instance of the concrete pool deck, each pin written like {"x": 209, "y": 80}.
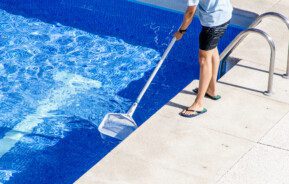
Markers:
{"x": 244, "y": 137}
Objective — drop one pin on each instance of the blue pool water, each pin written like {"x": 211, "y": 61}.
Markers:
{"x": 65, "y": 63}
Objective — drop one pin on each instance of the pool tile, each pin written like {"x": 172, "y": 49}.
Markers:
{"x": 252, "y": 78}
{"x": 128, "y": 169}
{"x": 261, "y": 165}
{"x": 257, "y": 6}
{"x": 278, "y": 136}
{"x": 170, "y": 147}
{"x": 238, "y": 113}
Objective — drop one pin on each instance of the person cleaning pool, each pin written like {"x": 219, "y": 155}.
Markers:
{"x": 215, "y": 16}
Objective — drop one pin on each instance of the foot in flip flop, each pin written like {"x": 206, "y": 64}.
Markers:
{"x": 216, "y": 97}
{"x": 190, "y": 113}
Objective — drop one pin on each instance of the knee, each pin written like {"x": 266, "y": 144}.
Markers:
{"x": 203, "y": 61}
{"x": 205, "y": 58}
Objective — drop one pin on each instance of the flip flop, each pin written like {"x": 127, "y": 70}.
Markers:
{"x": 217, "y": 97}
{"x": 194, "y": 113}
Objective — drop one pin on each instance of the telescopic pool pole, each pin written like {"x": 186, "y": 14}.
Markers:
{"x": 118, "y": 125}
{"x": 135, "y": 104}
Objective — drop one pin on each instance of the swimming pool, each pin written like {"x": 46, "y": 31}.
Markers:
{"x": 64, "y": 64}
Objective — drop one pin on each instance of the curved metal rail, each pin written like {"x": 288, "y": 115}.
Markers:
{"x": 281, "y": 17}
{"x": 271, "y": 43}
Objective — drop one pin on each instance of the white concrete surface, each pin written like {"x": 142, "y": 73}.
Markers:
{"x": 245, "y": 120}
{"x": 156, "y": 159}
{"x": 250, "y": 77}
{"x": 257, "y": 6}
{"x": 278, "y": 136}
{"x": 260, "y": 55}
{"x": 261, "y": 165}
{"x": 243, "y": 138}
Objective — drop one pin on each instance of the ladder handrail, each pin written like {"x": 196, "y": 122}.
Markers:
{"x": 231, "y": 47}
{"x": 281, "y": 17}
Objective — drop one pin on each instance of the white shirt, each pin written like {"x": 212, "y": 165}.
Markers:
{"x": 213, "y": 12}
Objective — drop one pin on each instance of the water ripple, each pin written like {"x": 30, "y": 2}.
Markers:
{"x": 37, "y": 59}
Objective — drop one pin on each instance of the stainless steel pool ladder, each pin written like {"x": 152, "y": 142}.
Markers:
{"x": 240, "y": 38}
{"x": 281, "y": 17}
{"x": 232, "y": 46}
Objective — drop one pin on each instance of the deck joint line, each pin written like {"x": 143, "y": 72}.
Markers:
{"x": 276, "y": 147}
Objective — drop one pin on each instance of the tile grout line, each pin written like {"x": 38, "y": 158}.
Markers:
{"x": 266, "y": 133}
{"x": 258, "y": 143}
{"x": 247, "y": 92}
{"x": 274, "y": 5}
{"x": 272, "y": 146}
{"x": 262, "y": 64}
{"x": 275, "y": 147}
{"x": 217, "y": 131}
{"x": 243, "y": 138}
{"x": 228, "y": 134}
{"x": 162, "y": 165}
{"x": 255, "y": 144}
{"x": 220, "y": 132}
{"x": 221, "y": 177}
{"x": 268, "y": 9}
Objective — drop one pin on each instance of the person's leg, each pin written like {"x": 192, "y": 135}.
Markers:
{"x": 205, "y": 60}
{"x": 212, "y": 90}
{"x": 209, "y": 64}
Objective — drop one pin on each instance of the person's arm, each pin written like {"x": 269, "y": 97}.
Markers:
{"x": 188, "y": 17}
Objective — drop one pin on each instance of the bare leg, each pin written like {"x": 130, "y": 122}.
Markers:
{"x": 205, "y": 60}
{"x": 212, "y": 90}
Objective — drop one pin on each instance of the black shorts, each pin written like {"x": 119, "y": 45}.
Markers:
{"x": 210, "y": 36}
